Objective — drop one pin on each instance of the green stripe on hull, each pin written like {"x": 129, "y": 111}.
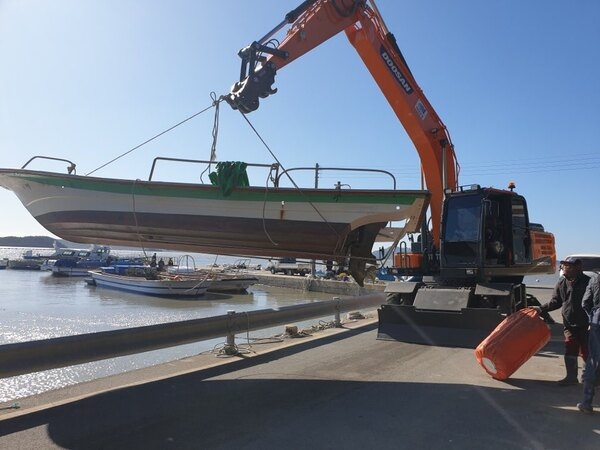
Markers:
{"x": 181, "y": 190}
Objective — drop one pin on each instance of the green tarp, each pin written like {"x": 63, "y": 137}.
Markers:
{"x": 228, "y": 175}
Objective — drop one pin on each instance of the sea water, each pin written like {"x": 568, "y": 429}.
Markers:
{"x": 35, "y": 305}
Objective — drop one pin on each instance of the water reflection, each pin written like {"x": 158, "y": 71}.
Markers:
{"x": 36, "y": 305}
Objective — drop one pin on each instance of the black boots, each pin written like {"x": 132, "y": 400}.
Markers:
{"x": 571, "y": 366}
{"x": 588, "y": 395}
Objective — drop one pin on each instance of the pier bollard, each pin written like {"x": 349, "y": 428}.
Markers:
{"x": 337, "y": 321}
{"x": 230, "y": 348}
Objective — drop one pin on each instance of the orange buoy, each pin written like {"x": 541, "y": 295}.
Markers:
{"x": 516, "y": 339}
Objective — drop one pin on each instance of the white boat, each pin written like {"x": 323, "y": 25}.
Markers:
{"x": 3, "y": 263}
{"x": 269, "y": 221}
{"x": 169, "y": 286}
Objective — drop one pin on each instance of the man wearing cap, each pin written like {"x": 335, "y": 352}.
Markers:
{"x": 568, "y": 294}
{"x": 591, "y": 373}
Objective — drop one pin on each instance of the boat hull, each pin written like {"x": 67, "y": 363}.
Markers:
{"x": 232, "y": 284}
{"x": 270, "y": 222}
{"x": 159, "y": 287}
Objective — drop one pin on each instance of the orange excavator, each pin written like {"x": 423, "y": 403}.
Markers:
{"x": 465, "y": 269}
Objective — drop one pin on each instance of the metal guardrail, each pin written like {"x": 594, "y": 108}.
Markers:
{"x": 26, "y": 357}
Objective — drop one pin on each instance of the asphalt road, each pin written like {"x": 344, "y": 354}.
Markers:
{"x": 339, "y": 389}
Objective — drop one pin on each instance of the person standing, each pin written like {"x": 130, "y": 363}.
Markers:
{"x": 568, "y": 295}
{"x": 591, "y": 372}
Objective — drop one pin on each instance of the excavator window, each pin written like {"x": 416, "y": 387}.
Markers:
{"x": 494, "y": 234}
{"x": 462, "y": 230}
{"x": 463, "y": 220}
{"x": 520, "y": 234}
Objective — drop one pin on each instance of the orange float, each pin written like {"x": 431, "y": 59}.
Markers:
{"x": 516, "y": 339}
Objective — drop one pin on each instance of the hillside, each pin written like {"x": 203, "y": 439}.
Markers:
{"x": 48, "y": 242}
{"x": 28, "y": 241}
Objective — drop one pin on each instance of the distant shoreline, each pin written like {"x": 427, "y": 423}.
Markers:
{"x": 31, "y": 241}
{"x": 50, "y": 242}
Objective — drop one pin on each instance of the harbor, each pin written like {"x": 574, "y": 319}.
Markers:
{"x": 441, "y": 338}
{"x": 338, "y": 388}
{"x": 37, "y": 306}
{"x": 321, "y": 388}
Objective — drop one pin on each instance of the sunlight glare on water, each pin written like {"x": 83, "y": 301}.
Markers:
{"x": 35, "y": 305}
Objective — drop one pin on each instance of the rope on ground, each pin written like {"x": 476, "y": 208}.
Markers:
{"x": 322, "y": 325}
{"x": 15, "y": 405}
{"x": 224, "y": 350}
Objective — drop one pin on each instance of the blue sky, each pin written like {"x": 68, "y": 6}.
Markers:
{"x": 515, "y": 82}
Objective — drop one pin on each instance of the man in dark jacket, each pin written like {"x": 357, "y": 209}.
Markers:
{"x": 591, "y": 373}
{"x": 568, "y": 294}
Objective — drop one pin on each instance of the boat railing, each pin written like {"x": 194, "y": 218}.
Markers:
{"x": 70, "y": 167}
{"x": 276, "y": 172}
{"x": 273, "y": 167}
{"x": 317, "y": 169}
{"x": 274, "y": 176}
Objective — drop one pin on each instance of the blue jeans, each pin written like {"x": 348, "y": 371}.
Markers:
{"x": 592, "y": 364}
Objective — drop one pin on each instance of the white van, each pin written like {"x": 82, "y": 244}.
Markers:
{"x": 589, "y": 262}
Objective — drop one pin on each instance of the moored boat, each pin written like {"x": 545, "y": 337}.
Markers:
{"x": 27, "y": 261}
{"x": 271, "y": 221}
{"x": 171, "y": 286}
{"x": 24, "y": 264}
{"x": 77, "y": 263}
{"x": 222, "y": 282}
{"x": 233, "y": 278}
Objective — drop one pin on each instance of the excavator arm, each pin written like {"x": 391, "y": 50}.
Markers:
{"x": 314, "y": 22}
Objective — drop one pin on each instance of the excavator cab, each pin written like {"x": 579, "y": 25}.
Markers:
{"x": 485, "y": 236}
{"x": 487, "y": 245}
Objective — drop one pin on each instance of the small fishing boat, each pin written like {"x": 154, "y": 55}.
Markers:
{"x": 337, "y": 223}
{"x": 232, "y": 278}
{"x": 222, "y": 282}
{"x": 158, "y": 285}
{"x": 3, "y": 263}
{"x": 27, "y": 261}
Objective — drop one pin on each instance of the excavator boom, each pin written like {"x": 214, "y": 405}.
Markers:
{"x": 468, "y": 268}
{"x": 313, "y": 23}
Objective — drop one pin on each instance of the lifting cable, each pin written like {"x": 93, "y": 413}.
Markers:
{"x": 151, "y": 139}
{"x": 215, "y": 103}
{"x": 287, "y": 174}
{"x": 215, "y": 133}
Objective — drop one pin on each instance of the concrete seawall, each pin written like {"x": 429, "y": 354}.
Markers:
{"x": 341, "y": 288}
